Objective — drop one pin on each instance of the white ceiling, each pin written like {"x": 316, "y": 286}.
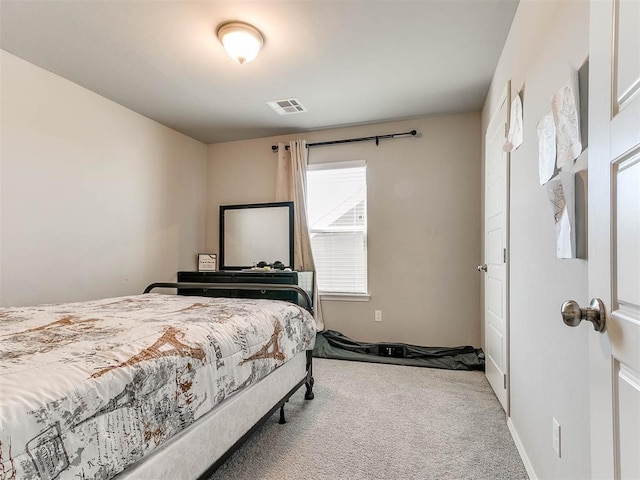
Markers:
{"x": 348, "y": 62}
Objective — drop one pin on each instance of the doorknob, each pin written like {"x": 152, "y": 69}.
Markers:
{"x": 595, "y": 313}
{"x": 482, "y": 268}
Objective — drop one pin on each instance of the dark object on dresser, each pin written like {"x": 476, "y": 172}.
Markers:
{"x": 302, "y": 279}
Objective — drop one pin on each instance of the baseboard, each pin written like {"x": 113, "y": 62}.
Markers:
{"x": 523, "y": 454}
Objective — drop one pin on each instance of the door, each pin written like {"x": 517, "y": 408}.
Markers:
{"x": 495, "y": 267}
{"x": 614, "y": 236}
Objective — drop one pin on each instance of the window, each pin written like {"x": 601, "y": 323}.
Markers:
{"x": 337, "y": 211}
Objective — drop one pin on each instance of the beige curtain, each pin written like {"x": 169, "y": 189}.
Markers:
{"x": 291, "y": 186}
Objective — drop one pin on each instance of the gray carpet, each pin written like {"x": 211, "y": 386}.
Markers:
{"x": 375, "y": 421}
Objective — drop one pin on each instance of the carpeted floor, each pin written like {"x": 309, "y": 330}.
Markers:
{"x": 374, "y": 421}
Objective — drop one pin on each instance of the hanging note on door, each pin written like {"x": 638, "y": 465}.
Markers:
{"x": 514, "y": 138}
{"x": 565, "y": 109}
{"x": 561, "y": 193}
{"x": 546, "y": 148}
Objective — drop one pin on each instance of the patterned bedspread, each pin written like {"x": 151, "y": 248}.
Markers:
{"x": 88, "y": 388}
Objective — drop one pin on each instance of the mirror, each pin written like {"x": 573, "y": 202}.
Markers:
{"x": 256, "y": 232}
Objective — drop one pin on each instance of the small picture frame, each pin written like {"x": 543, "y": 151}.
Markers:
{"x": 207, "y": 262}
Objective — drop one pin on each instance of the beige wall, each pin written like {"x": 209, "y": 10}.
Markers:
{"x": 548, "y": 360}
{"x": 96, "y": 200}
{"x": 423, "y": 223}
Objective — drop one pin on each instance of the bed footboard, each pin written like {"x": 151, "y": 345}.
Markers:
{"x": 307, "y": 381}
{"x": 236, "y": 286}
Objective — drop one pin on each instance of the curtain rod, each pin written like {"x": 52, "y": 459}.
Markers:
{"x": 377, "y": 138}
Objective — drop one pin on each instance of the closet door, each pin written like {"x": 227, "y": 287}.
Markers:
{"x": 495, "y": 267}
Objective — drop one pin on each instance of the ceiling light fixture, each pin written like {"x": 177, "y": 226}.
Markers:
{"x": 241, "y": 40}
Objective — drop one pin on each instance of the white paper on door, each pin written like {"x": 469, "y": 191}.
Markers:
{"x": 565, "y": 109}
{"x": 561, "y": 193}
{"x": 514, "y": 138}
{"x": 546, "y": 148}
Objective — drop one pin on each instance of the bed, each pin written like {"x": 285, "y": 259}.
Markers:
{"x": 145, "y": 386}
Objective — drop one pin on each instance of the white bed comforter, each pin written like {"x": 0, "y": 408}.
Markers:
{"x": 88, "y": 388}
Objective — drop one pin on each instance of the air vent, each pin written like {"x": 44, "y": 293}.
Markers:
{"x": 286, "y": 106}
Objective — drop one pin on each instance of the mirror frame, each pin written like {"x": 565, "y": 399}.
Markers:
{"x": 225, "y": 208}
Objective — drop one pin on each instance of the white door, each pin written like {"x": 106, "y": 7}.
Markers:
{"x": 614, "y": 236}
{"x": 496, "y": 194}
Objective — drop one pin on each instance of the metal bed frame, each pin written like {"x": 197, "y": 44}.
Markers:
{"x": 307, "y": 381}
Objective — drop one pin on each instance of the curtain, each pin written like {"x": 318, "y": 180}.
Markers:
{"x": 291, "y": 186}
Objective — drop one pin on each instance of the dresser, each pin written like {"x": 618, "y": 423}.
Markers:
{"x": 302, "y": 279}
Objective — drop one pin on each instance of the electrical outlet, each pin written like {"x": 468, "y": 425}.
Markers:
{"x": 557, "y": 439}
{"x": 378, "y": 316}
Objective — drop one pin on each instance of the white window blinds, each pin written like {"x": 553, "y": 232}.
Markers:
{"x": 337, "y": 212}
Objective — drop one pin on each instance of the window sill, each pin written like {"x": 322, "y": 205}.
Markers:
{"x": 345, "y": 297}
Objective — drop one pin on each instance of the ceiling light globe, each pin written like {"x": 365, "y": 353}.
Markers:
{"x": 241, "y": 40}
